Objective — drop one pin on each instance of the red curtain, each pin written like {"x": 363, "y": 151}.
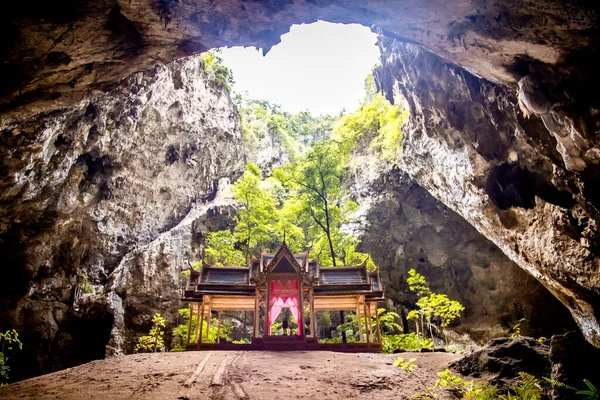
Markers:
{"x": 284, "y": 296}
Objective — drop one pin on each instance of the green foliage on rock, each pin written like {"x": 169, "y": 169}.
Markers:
{"x": 214, "y": 63}
{"x": 528, "y": 387}
{"x": 83, "y": 283}
{"x": 221, "y": 249}
{"x": 261, "y": 118}
{"x": 9, "y": 340}
{"x": 449, "y": 384}
{"x": 154, "y": 340}
{"x": 376, "y": 125}
{"x": 417, "y": 283}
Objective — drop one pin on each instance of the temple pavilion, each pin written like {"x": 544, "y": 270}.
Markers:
{"x": 282, "y": 280}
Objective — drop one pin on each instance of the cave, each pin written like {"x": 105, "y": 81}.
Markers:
{"x": 500, "y": 153}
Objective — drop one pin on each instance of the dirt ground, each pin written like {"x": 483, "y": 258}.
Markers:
{"x": 225, "y": 375}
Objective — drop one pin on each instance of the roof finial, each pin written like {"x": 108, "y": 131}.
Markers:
{"x": 284, "y": 234}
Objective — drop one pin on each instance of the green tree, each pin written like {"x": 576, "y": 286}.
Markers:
{"x": 417, "y": 283}
{"x": 8, "y": 340}
{"x": 255, "y": 219}
{"x": 387, "y": 322}
{"x": 221, "y": 249}
{"x": 154, "y": 340}
{"x": 431, "y": 305}
{"x": 370, "y": 89}
{"x": 317, "y": 179}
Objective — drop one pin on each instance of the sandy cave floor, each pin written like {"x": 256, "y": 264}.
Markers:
{"x": 235, "y": 375}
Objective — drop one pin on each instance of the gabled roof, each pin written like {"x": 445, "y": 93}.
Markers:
{"x": 284, "y": 260}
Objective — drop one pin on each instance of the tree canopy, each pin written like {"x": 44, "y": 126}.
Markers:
{"x": 304, "y": 199}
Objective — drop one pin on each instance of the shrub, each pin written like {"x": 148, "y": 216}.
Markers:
{"x": 180, "y": 332}
{"x": 405, "y": 341}
{"x": 8, "y": 340}
{"x": 154, "y": 340}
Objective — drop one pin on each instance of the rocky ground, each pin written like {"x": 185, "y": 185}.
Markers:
{"x": 236, "y": 375}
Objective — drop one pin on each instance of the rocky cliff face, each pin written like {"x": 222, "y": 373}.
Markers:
{"x": 103, "y": 205}
{"x": 403, "y": 226}
{"x": 470, "y": 145}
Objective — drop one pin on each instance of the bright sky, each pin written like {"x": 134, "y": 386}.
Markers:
{"x": 319, "y": 67}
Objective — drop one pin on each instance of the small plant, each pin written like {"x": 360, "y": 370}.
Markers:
{"x": 449, "y": 383}
{"x": 559, "y": 384}
{"x": 591, "y": 392}
{"x": 154, "y": 340}
{"x": 408, "y": 366}
{"x": 84, "y": 283}
{"x": 408, "y": 342}
{"x": 8, "y": 340}
{"x": 454, "y": 348}
{"x": 516, "y": 331}
{"x": 528, "y": 389}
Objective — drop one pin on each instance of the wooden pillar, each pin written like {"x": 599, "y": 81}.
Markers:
{"x": 200, "y": 322}
{"x": 358, "y": 319}
{"x": 367, "y": 322}
{"x": 190, "y": 323}
{"x": 256, "y": 312}
{"x": 313, "y": 320}
{"x": 219, "y": 328}
{"x": 300, "y": 310}
{"x": 378, "y": 327}
{"x": 208, "y": 315}
{"x": 371, "y": 331}
{"x": 267, "y": 311}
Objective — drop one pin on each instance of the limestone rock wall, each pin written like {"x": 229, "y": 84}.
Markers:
{"x": 470, "y": 145}
{"x": 120, "y": 188}
{"x": 403, "y": 226}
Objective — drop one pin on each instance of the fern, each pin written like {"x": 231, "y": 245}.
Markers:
{"x": 559, "y": 384}
{"x": 528, "y": 389}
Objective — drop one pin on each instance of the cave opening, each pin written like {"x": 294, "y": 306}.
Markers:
{"x": 318, "y": 67}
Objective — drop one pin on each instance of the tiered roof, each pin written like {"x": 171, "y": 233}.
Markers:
{"x": 326, "y": 281}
